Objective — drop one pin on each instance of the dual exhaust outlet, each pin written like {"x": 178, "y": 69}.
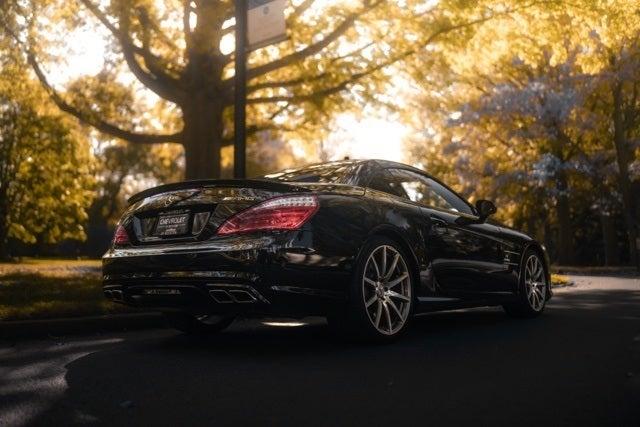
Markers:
{"x": 222, "y": 296}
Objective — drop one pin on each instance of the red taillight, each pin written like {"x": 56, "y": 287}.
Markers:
{"x": 280, "y": 213}
{"x": 121, "y": 237}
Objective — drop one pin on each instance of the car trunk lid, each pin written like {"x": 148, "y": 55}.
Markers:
{"x": 194, "y": 210}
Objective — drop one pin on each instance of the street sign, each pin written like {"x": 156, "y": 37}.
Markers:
{"x": 259, "y": 23}
{"x": 266, "y": 23}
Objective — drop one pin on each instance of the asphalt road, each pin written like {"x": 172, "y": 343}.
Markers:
{"x": 579, "y": 364}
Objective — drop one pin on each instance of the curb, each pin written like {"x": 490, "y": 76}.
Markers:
{"x": 22, "y": 329}
{"x": 564, "y": 285}
{"x": 623, "y": 271}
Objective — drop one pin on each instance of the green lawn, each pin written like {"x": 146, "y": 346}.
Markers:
{"x": 50, "y": 288}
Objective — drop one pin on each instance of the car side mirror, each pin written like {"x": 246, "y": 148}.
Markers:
{"x": 485, "y": 209}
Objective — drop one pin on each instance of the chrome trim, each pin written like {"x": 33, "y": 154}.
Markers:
{"x": 241, "y": 296}
{"x": 221, "y": 296}
{"x": 218, "y": 274}
{"x": 229, "y": 288}
{"x": 226, "y": 246}
{"x": 185, "y": 275}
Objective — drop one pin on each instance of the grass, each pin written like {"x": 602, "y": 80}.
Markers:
{"x": 44, "y": 289}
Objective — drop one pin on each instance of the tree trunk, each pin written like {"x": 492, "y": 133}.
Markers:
{"x": 4, "y": 226}
{"x": 609, "y": 239}
{"x": 4, "y": 243}
{"x": 563, "y": 212}
{"x": 547, "y": 235}
{"x": 623, "y": 157}
{"x": 203, "y": 126}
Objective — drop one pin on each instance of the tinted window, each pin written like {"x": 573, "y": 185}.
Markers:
{"x": 384, "y": 181}
{"x": 420, "y": 189}
{"x": 338, "y": 173}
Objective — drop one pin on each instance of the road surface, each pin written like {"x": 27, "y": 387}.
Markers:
{"x": 579, "y": 364}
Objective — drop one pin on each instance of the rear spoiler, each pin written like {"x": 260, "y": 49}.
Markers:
{"x": 212, "y": 183}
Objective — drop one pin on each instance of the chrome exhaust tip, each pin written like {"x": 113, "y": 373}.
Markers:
{"x": 223, "y": 293}
{"x": 221, "y": 297}
{"x": 242, "y": 297}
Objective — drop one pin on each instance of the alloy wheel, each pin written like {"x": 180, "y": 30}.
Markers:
{"x": 535, "y": 283}
{"x": 386, "y": 289}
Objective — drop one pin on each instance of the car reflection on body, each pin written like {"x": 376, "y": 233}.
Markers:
{"x": 365, "y": 243}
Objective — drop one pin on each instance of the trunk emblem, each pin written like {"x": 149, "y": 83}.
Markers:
{"x": 169, "y": 200}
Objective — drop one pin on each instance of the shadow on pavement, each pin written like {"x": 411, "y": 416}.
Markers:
{"x": 570, "y": 366}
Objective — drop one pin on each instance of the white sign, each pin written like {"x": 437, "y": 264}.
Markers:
{"x": 266, "y": 24}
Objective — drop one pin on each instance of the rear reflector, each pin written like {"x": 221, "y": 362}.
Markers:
{"x": 280, "y": 213}
{"x": 121, "y": 237}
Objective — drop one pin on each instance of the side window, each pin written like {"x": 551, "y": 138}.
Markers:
{"x": 425, "y": 191}
{"x": 384, "y": 181}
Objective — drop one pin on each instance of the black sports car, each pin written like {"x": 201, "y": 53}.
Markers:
{"x": 366, "y": 243}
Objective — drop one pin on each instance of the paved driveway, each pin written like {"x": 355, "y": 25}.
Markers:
{"x": 579, "y": 364}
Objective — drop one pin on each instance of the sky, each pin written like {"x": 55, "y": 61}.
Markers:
{"x": 364, "y": 137}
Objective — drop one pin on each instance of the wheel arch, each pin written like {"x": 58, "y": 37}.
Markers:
{"x": 395, "y": 234}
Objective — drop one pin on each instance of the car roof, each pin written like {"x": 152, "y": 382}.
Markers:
{"x": 373, "y": 163}
{"x": 380, "y": 162}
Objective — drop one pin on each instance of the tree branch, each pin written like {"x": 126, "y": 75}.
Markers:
{"x": 186, "y": 23}
{"x": 309, "y": 50}
{"x": 156, "y": 79}
{"x": 302, "y": 80}
{"x": 254, "y": 129}
{"x": 285, "y": 83}
{"x": 151, "y": 61}
{"x": 96, "y": 122}
{"x": 328, "y": 91}
{"x": 300, "y": 10}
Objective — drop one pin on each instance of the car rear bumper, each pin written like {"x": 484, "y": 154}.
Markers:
{"x": 279, "y": 274}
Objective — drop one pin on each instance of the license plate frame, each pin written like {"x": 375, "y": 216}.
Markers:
{"x": 173, "y": 224}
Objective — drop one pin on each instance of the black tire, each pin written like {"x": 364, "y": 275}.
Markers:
{"x": 198, "y": 325}
{"x": 526, "y": 304}
{"x": 356, "y": 320}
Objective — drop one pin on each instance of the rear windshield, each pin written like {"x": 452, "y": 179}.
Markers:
{"x": 337, "y": 173}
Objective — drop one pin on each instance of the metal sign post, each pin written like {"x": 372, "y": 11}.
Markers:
{"x": 240, "y": 104}
{"x": 259, "y": 23}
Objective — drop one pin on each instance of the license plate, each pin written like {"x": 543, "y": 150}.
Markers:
{"x": 172, "y": 225}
